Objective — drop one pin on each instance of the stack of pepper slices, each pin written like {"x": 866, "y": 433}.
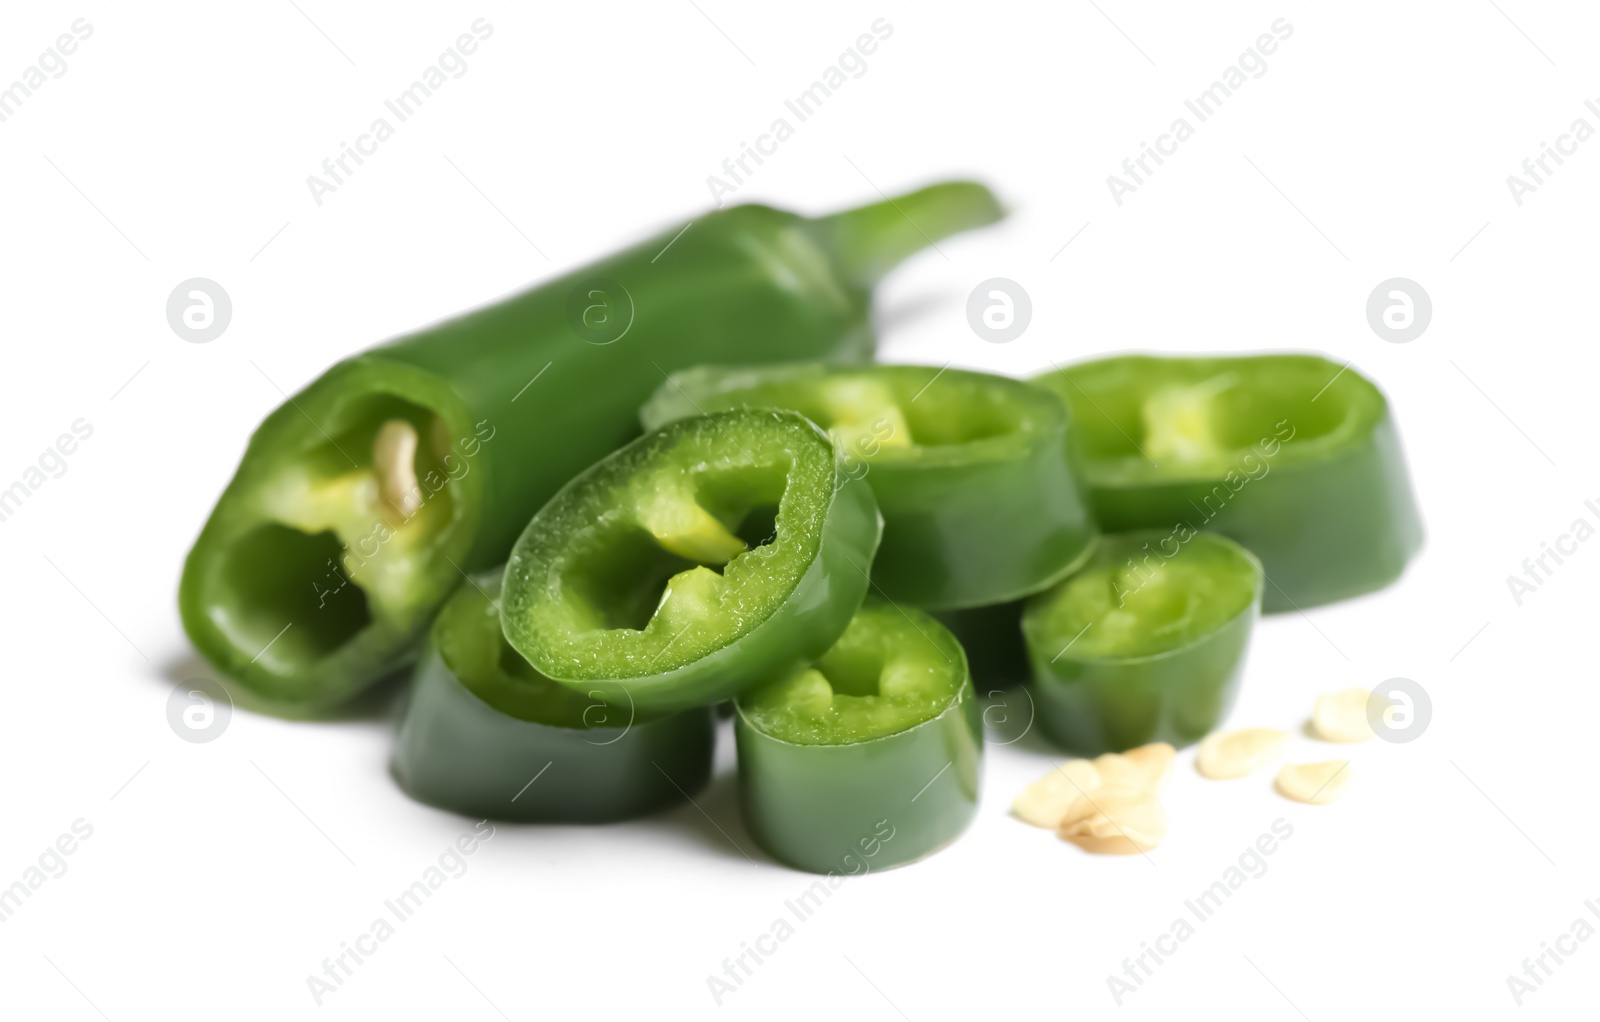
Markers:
{"x": 596, "y": 513}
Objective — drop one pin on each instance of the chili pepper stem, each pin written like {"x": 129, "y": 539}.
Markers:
{"x": 869, "y": 241}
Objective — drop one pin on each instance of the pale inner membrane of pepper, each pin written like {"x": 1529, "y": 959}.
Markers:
{"x": 1180, "y": 422}
{"x": 862, "y": 414}
{"x": 882, "y": 677}
{"x": 380, "y": 510}
{"x": 665, "y": 504}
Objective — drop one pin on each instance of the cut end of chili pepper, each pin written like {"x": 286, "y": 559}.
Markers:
{"x": 884, "y": 675}
{"x": 468, "y": 639}
{"x": 332, "y": 547}
{"x": 1145, "y": 643}
{"x": 868, "y": 757}
{"x": 1295, "y": 456}
{"x": 980, "y": 497}
{"x": 1144, "y": 594}
{"x": 654, "y": 575}
{"x": 1154, "y": 418}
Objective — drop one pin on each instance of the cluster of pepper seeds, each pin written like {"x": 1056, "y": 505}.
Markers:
{"x": 1111, "y": 804}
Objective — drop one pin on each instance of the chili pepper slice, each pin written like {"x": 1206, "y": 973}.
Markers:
{"x": 487, "y": 736}
{"x": 1294, "y": 456}
{"x": 1146, "y": 643}
{"x": 973, "y": 472}
{"x": 868, "y": 757}
{"x": 360, "y": 501}
{"x": 699, "y": 559}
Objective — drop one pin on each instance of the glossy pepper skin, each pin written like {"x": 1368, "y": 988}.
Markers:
{"x": 1145, "y": 644}
{"x": 868, "y": 758}
{"x": 510, "y": 401}
{"x": 1293, "y": 456}
{"x": 485, "y": 736}
{"x": 982, "y": 501}
{"x": 693, "y": 563}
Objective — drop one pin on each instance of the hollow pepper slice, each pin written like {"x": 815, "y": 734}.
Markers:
{"x": 868, "y": 757}
{"x": 1145, "y": 644}
{"x": 1294, "y": 456}
{"x": 974, "y": 474}
{"x": 485, "y": 735}
{"x": 361, "y": 500}
{"x": 701, "y": 558}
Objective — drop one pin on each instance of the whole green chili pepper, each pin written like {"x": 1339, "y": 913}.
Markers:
{"x": 1145, "y": 644}
{"x": 1294, "y": 456}
{"x": 485, "y": 735}
{"x": 698, "y": 560}
{"x": 361, "y": 501}
{"x": 973, "y": 472}
{"x": 871, "y": 755}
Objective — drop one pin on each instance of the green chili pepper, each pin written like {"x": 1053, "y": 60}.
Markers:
{"x": 360, "y": 501}
{"x": 1294, "y": 456}
{"x": 485, "y": 735}
{"x": 1146, "y": 643}
{"x": 701, "y": 558}
{"x": 973, "y": 472}
{"x": 882, "y": 733}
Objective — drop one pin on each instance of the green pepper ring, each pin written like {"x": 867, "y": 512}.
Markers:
{"x": 978, "y": 509}
{"x": 823, "y": 806}
{"x": 796, "y": 625}
{"x": 1095, "y": 704}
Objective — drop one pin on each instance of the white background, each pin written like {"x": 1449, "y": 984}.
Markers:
{"x": 1377, "y": 143}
